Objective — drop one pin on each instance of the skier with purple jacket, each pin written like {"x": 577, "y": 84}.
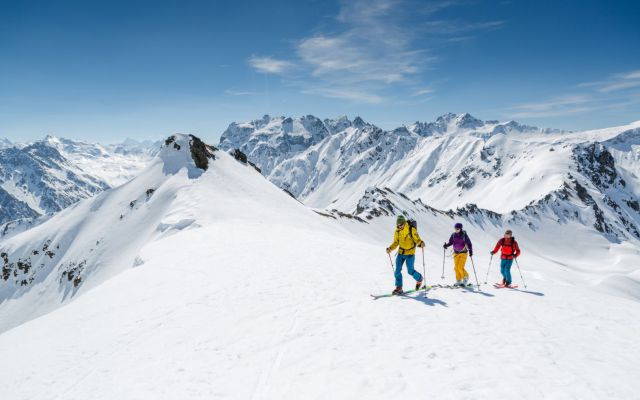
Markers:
{"x": 461, "y": 246}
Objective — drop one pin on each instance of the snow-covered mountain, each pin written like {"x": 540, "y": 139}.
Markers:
{"x": 200, "y": 278}
{"x": 46, "y": 176}
{"x": 454, "y": 161}
{"x": 112, "y": 163}
{"x": 4, "y": 143}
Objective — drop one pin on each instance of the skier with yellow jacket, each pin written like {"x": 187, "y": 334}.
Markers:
{"x": 407, "y": 239}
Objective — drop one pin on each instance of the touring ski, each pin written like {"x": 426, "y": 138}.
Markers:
{"x": 503, "y": 286}
{"x": 378, "y": 296}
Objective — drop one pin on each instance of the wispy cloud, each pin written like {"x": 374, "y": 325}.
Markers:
{"x": 232, "y": 92}
{"x": 373, "y": 48}
{"x": 346, "y": 94}
{"x": 554, "y": 107}
{"x": 270, "y": 65}
{"x": 617, "y": 92}
{"x": 422, "y": 91}
{"x": 448, "y": 27}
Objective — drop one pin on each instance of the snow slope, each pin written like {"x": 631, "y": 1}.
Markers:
{"x": 241, "y": 292}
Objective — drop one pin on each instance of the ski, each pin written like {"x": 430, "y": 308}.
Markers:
{"x": 379, "y": 296}
{"x": 501, "y": 286}
{"x": 467, "y": 286}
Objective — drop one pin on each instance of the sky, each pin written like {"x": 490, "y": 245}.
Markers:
{"x": 108, "y": 70}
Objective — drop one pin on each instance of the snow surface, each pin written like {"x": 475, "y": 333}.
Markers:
{"x": 221, "y": 286}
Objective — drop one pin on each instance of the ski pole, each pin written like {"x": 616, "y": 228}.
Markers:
{"x": 518, "y": 265}
{"x": 424, "y": 272}
{"x": 474, "y": 272}
{"x": 424, "y": 266}
{"x": 443, "y": 257}
{"x": 487, "y": 277}
{"x": 391, "y": 262}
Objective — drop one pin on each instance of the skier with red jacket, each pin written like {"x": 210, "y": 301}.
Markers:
{"x": 510, "y": 251}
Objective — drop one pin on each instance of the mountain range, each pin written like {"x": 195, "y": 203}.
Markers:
{"x": 456, "y": 161}
{"x": 41, "y": 178}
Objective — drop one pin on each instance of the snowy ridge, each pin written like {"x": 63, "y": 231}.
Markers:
{"x": 98, "y": 237}
{"x": 459, "y": 160}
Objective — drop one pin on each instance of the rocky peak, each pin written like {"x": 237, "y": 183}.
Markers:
{"x": 467, "y": 121}
{"x": 359, "y": 123}
{"x": 180, "y": 149}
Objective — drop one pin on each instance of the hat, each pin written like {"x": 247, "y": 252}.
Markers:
{"x": 508, "y": 232}
{"x": 458, "y": 225}
{"x": 400, "y": 220}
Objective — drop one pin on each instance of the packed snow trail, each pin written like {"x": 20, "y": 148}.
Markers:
{"x": 261, "y": 298}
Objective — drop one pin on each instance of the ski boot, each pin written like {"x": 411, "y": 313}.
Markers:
{"x": 397, "y": 290}
{"x": 418, "y": 285}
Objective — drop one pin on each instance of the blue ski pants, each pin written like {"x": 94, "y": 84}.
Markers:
{"x": 409, "y": 259}
{"x": 505, "y": 269}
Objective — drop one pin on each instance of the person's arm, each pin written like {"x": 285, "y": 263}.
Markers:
{"x": 516, "y": 248}
{"x": 469, "y": 245}
{"x": 395, "y": 241}
{"x": 498, "y": 245}
{"x": 449, "y": 243}
{"x": 417, "y": 239}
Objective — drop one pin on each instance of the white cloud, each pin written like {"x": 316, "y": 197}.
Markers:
{"x": 346, "y": 94}
{"x": 422, "y": 92}
{"x": 554, "y": 107}
{"x": 232, "y": 92}
{"x": 373, "y": 49}
{"x": 269, "y": 65}
{"x": 615, "y": 82}
{"x": 447, "y": 27}
{"x": 613, "y": 93}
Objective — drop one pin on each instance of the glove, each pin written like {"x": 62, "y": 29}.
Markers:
{"x": 492, "y": 252}
{"x": 514, "y": 256}
{"x": 445, "y": 246}
{"x": 421, "y": 245}
{"x": 388, "y": 250}
{"x": 470, "y": 253}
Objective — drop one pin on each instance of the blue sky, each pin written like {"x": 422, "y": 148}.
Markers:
{"x": 106, "y": 70}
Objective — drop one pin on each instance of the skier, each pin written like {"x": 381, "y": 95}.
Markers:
{"x": 407, "y": 239}
{"x": 461, "y": 246}
{"x": 510, "y": 251}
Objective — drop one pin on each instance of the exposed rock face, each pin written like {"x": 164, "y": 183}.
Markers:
{"x": 201, "y": 152}
{"x": 241, "y": 157}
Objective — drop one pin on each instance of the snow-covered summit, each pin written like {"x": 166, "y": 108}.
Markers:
{"x": 4, "y": 143}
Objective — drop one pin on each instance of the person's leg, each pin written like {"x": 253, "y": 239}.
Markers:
{"x": 503, "y": 270}
{"x": 398, "y": 271}
{"x": 507, "y": 271}
{"x": 457, "y": 267}
{"x": 411, "y": 270}
{"x": 463, "y": 261}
